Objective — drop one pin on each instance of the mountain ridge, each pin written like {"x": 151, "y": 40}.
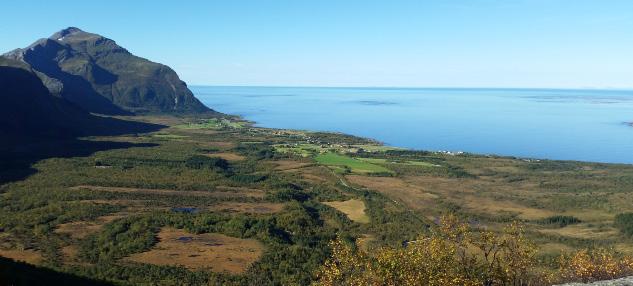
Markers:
{"x": 100, "y": 76}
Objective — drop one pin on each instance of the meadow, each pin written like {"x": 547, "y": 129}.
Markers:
{"x": 349, "y": 164}
{"x": 217, "y": 201}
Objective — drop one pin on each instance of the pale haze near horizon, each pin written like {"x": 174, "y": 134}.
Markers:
{"x": 460, "y": 43}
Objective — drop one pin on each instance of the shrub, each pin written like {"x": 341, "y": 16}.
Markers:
{"x": 560, "y": 220}
{"x": 624, "y": 222}
{"x": 248, "y": 178}
{"x": 204, "y": 162}
{"x": 593, "y": 265}
{"x": 454, "y": 254}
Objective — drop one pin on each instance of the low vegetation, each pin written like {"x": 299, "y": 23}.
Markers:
{"x": 354, "y": 209}
{"x": 346, "y": 164}
{"x": 215, "y": 252}
{"x": 218, "y": 202}
{"x": 624, "y": 222}
{"x": 560, "y": 220}
{"x": 457, "y": 254}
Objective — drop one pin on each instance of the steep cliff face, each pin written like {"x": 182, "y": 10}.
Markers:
{"x": 28, "y": 111}
{"x": 102, "y": 77}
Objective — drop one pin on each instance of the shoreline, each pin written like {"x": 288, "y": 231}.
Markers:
{"x": 475, "y": 127}
{"x": 252, "y": 124}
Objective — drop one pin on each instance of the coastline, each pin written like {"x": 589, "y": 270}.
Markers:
{"x": 510, "y": 123}
{"x": 252, "y": 124}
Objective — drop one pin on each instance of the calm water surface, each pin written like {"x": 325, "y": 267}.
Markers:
{"x": 585, "y": 125}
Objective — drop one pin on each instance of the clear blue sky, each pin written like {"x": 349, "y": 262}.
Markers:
{"x": 449, "y": 43}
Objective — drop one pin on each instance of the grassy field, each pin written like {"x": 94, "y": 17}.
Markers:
{"x": 227, "y": 156}
{"x": 354, "y": 209}
{"x": 385, "y": 161}
{"x": 354, "y": 165}
{"x": 112, "y": 212}
{"x": 217, "y": 252}
{"x": 169, "y": 136}
{"x": 304, "y": 150}
{"x": 213, "y": 123}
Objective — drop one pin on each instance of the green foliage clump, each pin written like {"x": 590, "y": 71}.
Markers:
{"x": 256, "y": 151}
{"x": 560, "y": 220}
{"x": 121, "y": 238}
{"x": 624, "y": 222}
{"x": 205, "y": 162}
{"x": 248, "y": 178}
{"x": 288, "y": 195}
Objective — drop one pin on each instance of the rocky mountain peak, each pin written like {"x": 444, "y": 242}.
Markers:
{"x": 100, "y": 76}
{"x": 66, "y": 32}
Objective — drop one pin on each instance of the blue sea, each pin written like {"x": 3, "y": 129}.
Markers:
{"x": 582, "y": 125}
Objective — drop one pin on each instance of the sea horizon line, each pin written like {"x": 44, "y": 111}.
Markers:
{"x": 629, "y": 89}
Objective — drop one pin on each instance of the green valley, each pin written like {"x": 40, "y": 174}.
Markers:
{"x": 276, "y": 196}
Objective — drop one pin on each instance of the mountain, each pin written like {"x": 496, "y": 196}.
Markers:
{"x": 29, "y": 112}
{"x": 100, "y": 76}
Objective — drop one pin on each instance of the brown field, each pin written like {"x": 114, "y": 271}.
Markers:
{"x": 164, "y": 120}
{"x": 457, "y": 188}
{"x": 588, "y": 215}
{"x": 283, "y": 165}
{"x": 117, "y": 202}
{"x": 69, "y": 254}
{"x": 354, "y": 209}
{"x": 81, "y": 229}
{"x": 203, "y": 131}
{"x": 218, "y": 144}
{"x": 313, "y": 178}
{"x": 130, "y": 206}
{"x": 582, "y": 230}
{"x": 227, "y": 156}
{"x": 315, "y": 174}
{"x": 29, "y": 255}
{"x": 217, "y": 252}
{"x": 444, "y": 186}
{"x": 78, "y": 229}
{"x": 554, "y": 248}
{"x": 492, "y": 206}
{"x": 236, "y": 192}
{"x": 412, "y": 195}
{"x": 420, "y": 192}
{"x": 255, "y": 208}
{"x": 257, "y": 193}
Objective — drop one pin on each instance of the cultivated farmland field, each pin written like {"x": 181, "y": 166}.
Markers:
{"x": 354, "y": 165}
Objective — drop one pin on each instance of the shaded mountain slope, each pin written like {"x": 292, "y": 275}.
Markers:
{"x": 102, "y": 77}
{"x": 28, "y": 111}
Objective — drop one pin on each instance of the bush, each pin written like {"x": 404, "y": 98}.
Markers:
{"x": 454, "y": 254}
{"x": 594, "y": 265}
{"x": 560, "y": 220}
{"x": 248, "y": 178}
{"x": 256, "y": 151}
{"x": 285, "y": 195}
{"x": 204, "y": 162}
{"x": 624, "y": 222}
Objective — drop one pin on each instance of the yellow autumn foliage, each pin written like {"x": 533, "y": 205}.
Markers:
{"x": 594, "y": 265}
{"x": 455, "y": 254}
